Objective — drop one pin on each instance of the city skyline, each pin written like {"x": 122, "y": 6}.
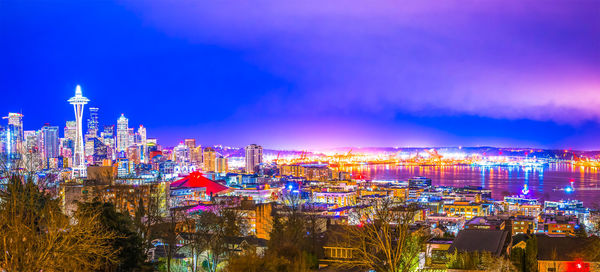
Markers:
{"x": 413, "y": 75}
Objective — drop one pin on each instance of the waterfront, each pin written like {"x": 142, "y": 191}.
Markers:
{"x": 542, "y": 181}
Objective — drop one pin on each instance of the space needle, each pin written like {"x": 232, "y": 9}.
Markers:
{"x": 78, "y": 101}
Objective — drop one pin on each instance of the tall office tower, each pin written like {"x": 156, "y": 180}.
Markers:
{"x": 222, "y": 165}
{"x": 191, "y": 143}
{"x": 181, "y": 154}
{"x": 92, "y": 125}
{"x": 78, "y": 101}
{"x": 195, "y": 151}
{"x": 13, "y": 135}
{"x": 209, "y": 160}
{"x": 107, "y": 136}
{"x": 71, "y": 130}
{"x": 254, "y": 157}
{"x": 50, "y": 140}
{"x": 31, "y": 141}
{"x": 122, "y": 134}
{"x": 33, "y": 156}
{"x": 143, "y": 145}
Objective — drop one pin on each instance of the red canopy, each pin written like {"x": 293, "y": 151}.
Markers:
{"x": 197, "y": 180}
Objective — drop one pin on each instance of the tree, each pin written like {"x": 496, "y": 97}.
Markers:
{"x": 168, "y": 231}
{"x": 384, "y": 240}
{"x": 517, "y": 257}
{"x": 479, "y": 261}
{"x": 531, "y": 249}
{"x": 296, "y": 236}
{"x": 36, "y": 236}
{"x": 127, "y": 243}
{"x": 215, "y": 230}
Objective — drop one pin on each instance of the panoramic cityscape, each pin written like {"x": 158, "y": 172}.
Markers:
{"x": 311, "y": 136}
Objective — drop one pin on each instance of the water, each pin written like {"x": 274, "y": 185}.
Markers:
{"x": 501, "y": 180}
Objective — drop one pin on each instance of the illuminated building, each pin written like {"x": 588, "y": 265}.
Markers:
{"x": 519, "y": 205}
{"x": 522, "y": 225}
{"x": 50, "y": 141}
{"x": 569, "y": 254}
{"x": 312, "y": 172}
{"x": 12, "y": 136}
{"x": 259, "y": 217}
{"x": 466, "y": 209}
{"x": 209, "y": 160}
{"x": 222, "y": 165}
{"x": 291, "y": 170}
{"x": 193, "y": 189}
{"x": 99, "y": 151}
{"x": 558, "y": 225}
{"x": 92, "y": 124}
{"x": 254, "y": 157}
{"x": 317, "y": 172}
{"x": 340, "y": 198}
{"x": 71, "y": 130}
{"x": 488, "y": 223}
{"x": 107, "y": 136}
{"x": 143, "y": 144}
{"x": 122, "y": 134}
{"x": 195, "y": 151}
{"x": 78, "y": 102}
{"x": 33, "y": 153}
{"x": 181, "y": 154}
{"x": 133, "y": 154}
{"x": 436, "y": 252}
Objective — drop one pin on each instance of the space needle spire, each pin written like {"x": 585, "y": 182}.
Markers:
{"x": 78, "y": 101}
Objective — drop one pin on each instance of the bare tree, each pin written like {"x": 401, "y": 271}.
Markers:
{"x": 383, "y": 241}
{"x": 36, "y": 236}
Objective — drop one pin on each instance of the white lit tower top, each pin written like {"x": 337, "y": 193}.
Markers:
{"x": 78, "y": 101}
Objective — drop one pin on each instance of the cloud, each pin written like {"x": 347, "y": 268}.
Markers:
{"x": 500, "y": 59}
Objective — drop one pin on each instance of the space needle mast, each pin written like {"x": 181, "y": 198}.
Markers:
{"x": 78, "y": 101}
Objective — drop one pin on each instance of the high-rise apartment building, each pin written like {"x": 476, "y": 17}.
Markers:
{"x": 92, "y": 124}
{"x": 122, "y": 134}
{"x": 254, "y": 157}
{"x": 50, "y": 141}
{"x": 222, "y": 164}
{"x": 143, "y": 144}
{"x": 71, "y": 130}
{"x": 13, "y": 135}
{"x": 195, "y": 151}
{"x": 209, "y": 159}
{"x": 107, "y": 136}
{"x": 181, "y": 154}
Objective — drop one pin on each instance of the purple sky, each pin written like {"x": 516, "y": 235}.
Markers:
{"x": 309, "y": 74}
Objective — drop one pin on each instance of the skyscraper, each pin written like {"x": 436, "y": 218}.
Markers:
{"x": 92, "y": 125}
{"x": 222, "y": 165}
{"x": 13, "y": 135}
{"x": 122, "y": 134}
{"x": 195, "y": 151}
{"x": 254, "y": 157}
{"x": 142, "y": 143}
{"x": 78, "y": 101}
{"x": 209, "y": 159}
{"x": 50, "y": 140}
{"x": 107, "y": 136}
{"x": 71, "y": 130}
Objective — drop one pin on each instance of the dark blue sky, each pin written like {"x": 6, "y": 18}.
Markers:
{"x": 311, "y": 74}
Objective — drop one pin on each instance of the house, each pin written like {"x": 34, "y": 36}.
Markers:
{"x": 576, "y": 254}
{"x": 436, "y": 251}
{"x": 495, "y": 242}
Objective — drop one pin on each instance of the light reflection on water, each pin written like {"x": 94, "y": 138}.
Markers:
{"x": 502, "y": 180}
